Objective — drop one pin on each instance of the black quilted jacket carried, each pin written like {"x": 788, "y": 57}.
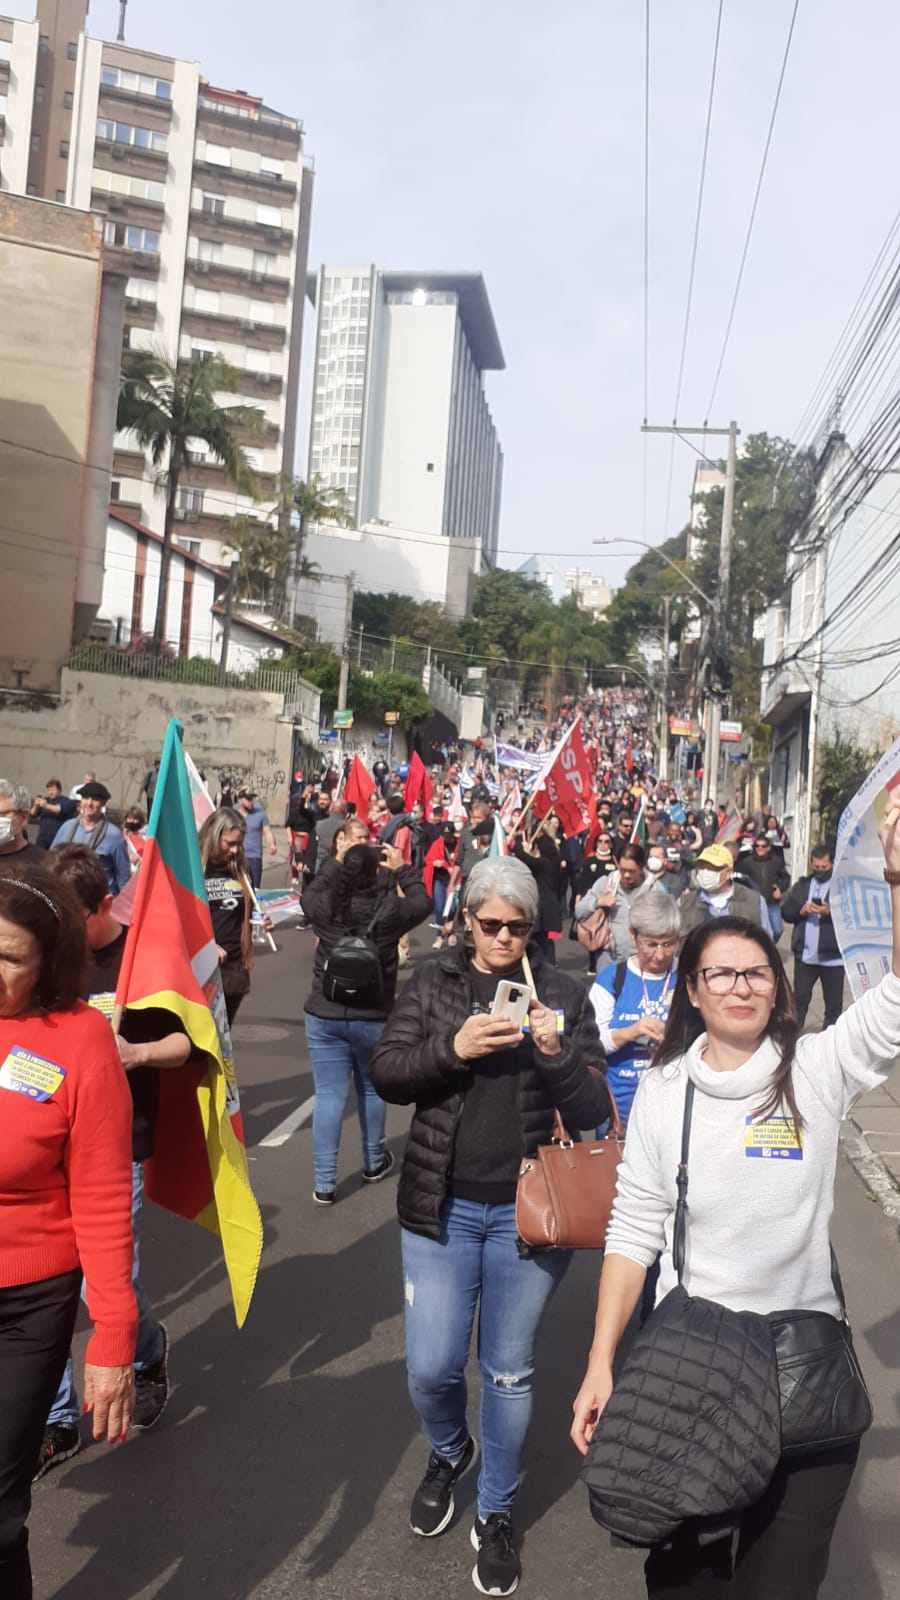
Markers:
{"x": 414, "y": 1064}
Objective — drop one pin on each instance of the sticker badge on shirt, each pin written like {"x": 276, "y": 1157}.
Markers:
{"x": 774, "y": 1140}
{"x": 104, "y": 1002}
{"x": 30, "y": 1075}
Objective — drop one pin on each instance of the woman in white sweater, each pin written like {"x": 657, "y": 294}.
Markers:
{"x": 763, "y": 1149}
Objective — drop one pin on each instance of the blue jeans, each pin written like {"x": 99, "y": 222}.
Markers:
{"x": 341, "y": 1050}
{"x": 475, "y": 1258}
{"x": 65, "y": 1410}
{"x": 439, "y": 895}
{"x": 776, "y": 921}
{"x": 254, "y": 871}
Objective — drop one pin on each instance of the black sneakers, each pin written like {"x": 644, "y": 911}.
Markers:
{"x": 497, "y": 1569}
{"x": 432, "y": 1504}
{"x": 375, "y": 1174}
{"x": 57, "y": 1446}
{"x": 324, "y": 1197}
{"x": 152, "y": 1389}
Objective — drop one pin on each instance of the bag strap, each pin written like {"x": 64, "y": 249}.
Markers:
{"x": 619, "y": 979}
{"x": 679, "y": 1232}
{"x": 838, "y": 1286}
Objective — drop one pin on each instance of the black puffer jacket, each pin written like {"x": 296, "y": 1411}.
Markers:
{"x": 396, "y": 917}
{"x": 414, "y": 1063}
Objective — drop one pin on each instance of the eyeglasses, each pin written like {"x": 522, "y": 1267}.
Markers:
{"x": 657, "y": 944}
{"x": 518, "y": 928}
{"x": 722, "y": 980}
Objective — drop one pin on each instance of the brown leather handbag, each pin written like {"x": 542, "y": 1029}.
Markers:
{"x": 565, "y": 1192}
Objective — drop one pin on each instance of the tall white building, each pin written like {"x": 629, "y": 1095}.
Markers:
{"x": 399, "y": 416}
{"x": 206, "y": 194}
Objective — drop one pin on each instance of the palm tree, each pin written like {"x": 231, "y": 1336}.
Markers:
{"x": 166, "y": 405}
{"x": 316, "y": 501}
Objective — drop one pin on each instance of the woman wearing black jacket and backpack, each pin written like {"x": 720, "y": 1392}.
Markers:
{"x": 353, "y": 894}
{"x": 484, "y": 1095}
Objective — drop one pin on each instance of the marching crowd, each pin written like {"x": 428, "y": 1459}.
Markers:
{"x": 684, "y": 1027}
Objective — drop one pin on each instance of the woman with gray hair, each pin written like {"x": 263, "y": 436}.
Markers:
{"x": 484, "y": 1092}
{"x": 631, "y": 999}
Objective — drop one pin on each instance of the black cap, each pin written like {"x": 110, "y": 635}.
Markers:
{"x": 94, "y": 791}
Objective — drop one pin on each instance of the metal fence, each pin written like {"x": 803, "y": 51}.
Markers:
{"x": 269, "y": 679}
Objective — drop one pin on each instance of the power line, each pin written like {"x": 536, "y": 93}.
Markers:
{"x": 753, "y": 210}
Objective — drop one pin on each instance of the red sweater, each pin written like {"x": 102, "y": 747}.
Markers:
{"x": 65, "y": 1167}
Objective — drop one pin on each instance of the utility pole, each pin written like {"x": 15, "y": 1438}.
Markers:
{"x": 359, "y": 645}
{"x": 663, "y": 762}
{"x": 345, "y": 647}
{"x": 230, "y": 592}
{"x": 719, "y": 634}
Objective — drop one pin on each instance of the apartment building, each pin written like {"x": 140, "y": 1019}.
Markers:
{"x": 206, "y": 196}
{"x": 400, "y": 420}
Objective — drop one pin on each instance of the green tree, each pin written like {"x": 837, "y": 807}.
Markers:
{"x": 315, "y": 501}
{"x": 167, "y": 405}
{"x": 395, "y": 616}
{"x": 843, "y": 766}
{"x": 374, "y": 693}
{"x": 262, "y": 549}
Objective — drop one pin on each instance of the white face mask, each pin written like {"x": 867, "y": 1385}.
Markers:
{"x": 7, "y": 830}
{"x": 707, "y": 879}
{"x": 653, "y": 865}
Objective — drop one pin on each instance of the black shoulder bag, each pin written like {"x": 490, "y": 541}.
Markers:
{"x": 352, "y": 975}
{"x": 708, "y": 1399}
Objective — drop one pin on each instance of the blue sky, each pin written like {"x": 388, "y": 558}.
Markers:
{"x": 506, "y": 135}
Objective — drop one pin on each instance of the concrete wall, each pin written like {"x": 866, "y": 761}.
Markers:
{"x": 115, "y": 727}
{"x": 53, "y": 308}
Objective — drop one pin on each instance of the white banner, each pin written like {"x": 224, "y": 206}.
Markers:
{"x": 859, "y": 898}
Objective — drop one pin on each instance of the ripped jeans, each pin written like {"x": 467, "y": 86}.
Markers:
{"x": 475, "y": 1256}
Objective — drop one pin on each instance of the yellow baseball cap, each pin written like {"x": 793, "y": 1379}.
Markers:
{"x": 716, "y": 855}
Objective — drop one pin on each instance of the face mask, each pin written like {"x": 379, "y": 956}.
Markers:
{"x": 656, "y": 866}
{"x": 821, "y": 874}
{"x": 707, "y": 879}
{"x": 7, "y": 832}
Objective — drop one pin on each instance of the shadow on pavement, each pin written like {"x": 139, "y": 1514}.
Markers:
{"x": 311, "y": 1449}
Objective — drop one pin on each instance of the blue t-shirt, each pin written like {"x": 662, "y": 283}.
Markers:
{"x": 640, "y": 997}
{"x": 112, "y": 850}
{"x": 256, "y": 820}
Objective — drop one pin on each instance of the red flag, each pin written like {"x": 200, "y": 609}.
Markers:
{"x": 418, "y": 784}
{"x": 629, "y": 759}
{"x": 360, "y": 787}
{"x": 435, "y": 857}
{"x": 567, "y": 783}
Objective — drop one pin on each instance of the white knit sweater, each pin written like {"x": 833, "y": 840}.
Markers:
{"x": 757, "y": 1227}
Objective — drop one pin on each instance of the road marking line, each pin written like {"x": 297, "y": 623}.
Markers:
{"x": 289, "y": 1126}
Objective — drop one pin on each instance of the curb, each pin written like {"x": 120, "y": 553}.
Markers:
{"x": 871, "y": 1170}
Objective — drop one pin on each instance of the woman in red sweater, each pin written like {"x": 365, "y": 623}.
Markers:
{"x": 65, "y": 1193}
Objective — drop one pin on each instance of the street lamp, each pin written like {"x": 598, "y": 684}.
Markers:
{"x": 657, "y": 552}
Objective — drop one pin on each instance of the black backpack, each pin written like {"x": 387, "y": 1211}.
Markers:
{"x": 352, "y": 975}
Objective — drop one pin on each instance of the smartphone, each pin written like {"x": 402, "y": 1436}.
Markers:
{"x": 512, "y": 1000}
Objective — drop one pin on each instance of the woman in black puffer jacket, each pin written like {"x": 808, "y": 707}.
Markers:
{"x": 484, "y": 1096}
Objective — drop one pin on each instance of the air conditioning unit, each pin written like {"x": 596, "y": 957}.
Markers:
{"x": 249, "y": 327}
{"x": 180, "y": 512}
{"x": 114, "y": 203}
{"x": 190, "y": 516}
{"x": 118, "y": 152}
{"x": 201, "y": 266}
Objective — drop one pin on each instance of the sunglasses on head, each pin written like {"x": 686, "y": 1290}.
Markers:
{"x": 518, "y": 928}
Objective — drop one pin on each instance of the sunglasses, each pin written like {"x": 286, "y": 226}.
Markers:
{"x": 518, "y": 928}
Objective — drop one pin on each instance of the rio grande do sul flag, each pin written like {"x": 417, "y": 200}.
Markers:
{"x": 199, "y": 1169}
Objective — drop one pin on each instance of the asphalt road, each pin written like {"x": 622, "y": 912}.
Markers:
{"x": 283, "y": 1467}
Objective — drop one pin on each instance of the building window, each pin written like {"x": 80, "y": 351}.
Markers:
{"x": 72, "y": 50}
{"x": 269, "y": 216}
{"x": 35, "y": 143}
{"x": 68, "y": 99}
{"x": 192, "y": 546}
{"x": 270, "y": 168}
{"x": 136, "y": 82}
{"x": 141, "y": 289}
{"x": 31, "y": 189}
{"x": 429, "y": 466}
{"x": 128, "y": 133}
{"x": 217, "y": 155}
{"x": 191, "y": 501}
{"x": 206, "y": 301}
{"x": 209, "y": 250}
{"x": 137, "y": 604}
{"x": 214, "y": 205}
{"x": 44, "y": 43}
{"x": 119, "y": 233}
{"x": 64, "y": 149}
{"x": 61, "y": 197}
{"x": 264, "y": 261}
{"x": 201, "y": 351}
{"x": 120, "y": 183}
{"x": 115, "y": 489}
{"x": 39, "y": 94}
